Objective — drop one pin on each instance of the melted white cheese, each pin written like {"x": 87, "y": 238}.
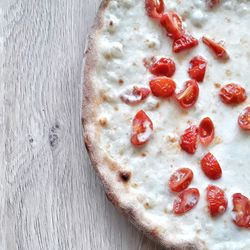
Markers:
{"x": 134, "y": 37}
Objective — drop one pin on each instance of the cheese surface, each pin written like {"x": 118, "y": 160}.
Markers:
{"x": 127, "y": 38}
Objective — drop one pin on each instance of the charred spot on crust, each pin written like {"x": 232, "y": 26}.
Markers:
{"x": 157, "y": 105}
{"x": 125, "y": 176}
{"x": 217, "y": 85}
{"x": 121, "y": 82}
{"x": 103, "y": 122}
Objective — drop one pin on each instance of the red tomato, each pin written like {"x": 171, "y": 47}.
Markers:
{"x": 211, "y": 167}
{"x": 212, "y": 3}
{"x": 206, "y": 131}
{"x": 233, "y": 94}
{"x": 244, "y": 119}
{"x": 186, "y": 200}
{"x": 163, "y": 67}
{"x": 180, "y": 179}
{"x": 188, "y": 96}
{"x": 172, "y": 24}
{"x": 217, "y": 48}
{"x": 188, "y": 140}
{"x": 142, "y": 129}
{"x": 184, "y": 42}
{"x": 217, "y": 201}
{"x": 242, "y": 210}
{"x": 134, "y": 95}
{"x": 154, "y": 8}
{"x": 197, "y": 68}
{"x": 162, "y": 86}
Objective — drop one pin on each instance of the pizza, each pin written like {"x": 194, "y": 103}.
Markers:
{"x": 166, "y": 117}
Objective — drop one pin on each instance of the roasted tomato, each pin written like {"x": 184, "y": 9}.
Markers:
{"x": 233, "y": 93}
{"x": 172, "y": 24}
{"x": 242, "y": 210}
{"x": 212, "y": 3}
{"x": 217, "y": 48}
{"x": 180, "y": 179}
{"x": 186, "y": 200}
{"x": 206, "y": 131}
{"x": 162, "y": 86}
{"x": 244, "y": 119}
{"x": 142, "y": 129}
{"x": 188, "y": 141}
{"x": 134, "y": 95}
{"x": 184, "y": 42}
{"x": 163, "y": 67}
{"x": 211, "y": 167}
{"x": 188, "y": 96}
{"x": 217, "y": 201}
{"x": 154, "y": 8}
{"x": 197, "y": 68}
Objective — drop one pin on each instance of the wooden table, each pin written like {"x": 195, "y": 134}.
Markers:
{"x": 50, "y": 197}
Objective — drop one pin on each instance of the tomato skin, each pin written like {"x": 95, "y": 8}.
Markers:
{"x": 211, "y": 167}
{"x": 154, "y": 8}
{"x": 142, "y": 129}
{"x": 172, "y": 24}
{"x": 206, "y": 131}
{"x": 180, "y": 179}
{"x": 244, "y": 119}
{"x": 184, "y": 42}
{"x": 134, "y": 95}
{"x": 188, "y": 141}
{"x": 188, "y": 96}
{"x": 212, "y": 3}
{"x": 219, "y": 51}
{"x": 217, "y": 201}
{"x": 163, "y": 67}
{"x": 145, "y": 92}
{"x": 232, "y": 93}
{"x": 162, "y": 86}
{"x": 242, "y": 210}
{"x": 186, "y": 200}
{"x": 197, "y": 68}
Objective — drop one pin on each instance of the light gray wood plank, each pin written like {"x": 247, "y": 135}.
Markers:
{"x": 50, "y": 197}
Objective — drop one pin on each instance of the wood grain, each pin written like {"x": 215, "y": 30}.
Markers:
{"x": 50, "y": 197}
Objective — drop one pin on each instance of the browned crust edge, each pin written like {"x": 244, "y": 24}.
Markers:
{"x": 88, "y": 115}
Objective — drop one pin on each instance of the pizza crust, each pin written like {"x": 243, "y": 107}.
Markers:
{"x": 114, "y": 181}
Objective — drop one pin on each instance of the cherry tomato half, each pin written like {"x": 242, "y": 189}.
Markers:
{"x": 154, "y": 8}
{"x": 180, "y": 179}
{"x": 188, "y": 141}
{"x": 219, "y": 51}
{"x": 188, "y": 96}
{"x": 163, "y": 67}
{"x": 211, "y": 167}
{"x": 197, "y": 68}
{"x": 186, "y": 200}
{"x": 244, "y": 119}
{"x": 142, "y": 129}
{"x": 184, "y": 42}
{"x": 233, "y": 93}
{"x": 172, "y": 24}
{"x": 217, "y": 201}
{"x": 206, "y": 131}
{"x": 242, "y": 210}
{"x": 162, "y": 86}
{"x": 134, "y": 95}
